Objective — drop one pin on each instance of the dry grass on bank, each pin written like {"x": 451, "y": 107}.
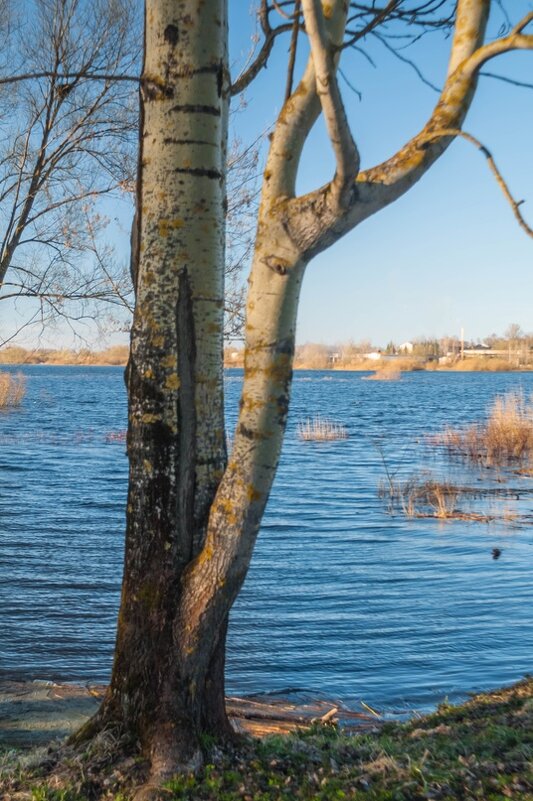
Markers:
{"x": 116, "y": 355}
{"x": 319, "y": 429}
{"x": 506, "y": 438}
{"x": 12, "y": 390}
{"x": 484, "y": 364}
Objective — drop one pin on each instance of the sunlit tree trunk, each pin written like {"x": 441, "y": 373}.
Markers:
{"x": 192, "y": 521}
{"x": 176, "y": 439}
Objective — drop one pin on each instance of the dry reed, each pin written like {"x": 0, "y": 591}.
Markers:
{"x": 12, "y": 390}
{"x": 416, "y": 497}
{"x": 321, "y": 430}
{"x": 483, "y": 364}
{"x": 384, "y": 375}
{"x": 422, "y": 498}
{"x": 391, "y": 369}
{"x": 505, "y": 438}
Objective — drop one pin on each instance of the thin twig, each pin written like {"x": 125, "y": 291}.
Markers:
{"x": 504, "y": 78}
{"x": 293, "y": 48}
{"x": 515, "y": 204}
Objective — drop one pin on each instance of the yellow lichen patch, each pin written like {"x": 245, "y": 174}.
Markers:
{"x": 148, "y": 467}
{"x": 328, "y": 10}
{"x": 167, "y": 546}
{"x": 150, "y": 418}
{"x": 151, "y": 77}
{"x": 172, "y": 382}
{"x": 148, "y": 373}
{"x": 227, "y": 507}
{"x": 158, "y": 341}
{"x": 169, "y": 361}
{"x": 166, "y": 226}
{"x": 205, "y": 555}
{"x": 233, "y": 466}
{"x": 251, "y": 404}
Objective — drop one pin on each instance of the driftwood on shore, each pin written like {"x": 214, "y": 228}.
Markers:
{"x": 36, "y": 713}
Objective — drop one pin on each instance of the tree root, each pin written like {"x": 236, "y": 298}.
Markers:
{"x": 108, "y": 763}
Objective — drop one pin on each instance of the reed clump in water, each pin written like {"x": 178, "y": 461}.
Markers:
{"x": 320, "y": 429}
{"x": 506, "y": 438}
{"x": 12, "y": 390}
{"x": 422, "y": 498}
{"x": 388, "y": 372}
{"x": 418, "y": 498}
{"x": 391, "y": 370}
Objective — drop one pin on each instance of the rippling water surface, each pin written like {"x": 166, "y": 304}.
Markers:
{"x": 341, "y": 598}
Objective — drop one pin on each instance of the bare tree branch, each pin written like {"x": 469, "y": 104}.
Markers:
{"x": 7, "y": 80}
{"x": 515, "y": 204}
{"x": 327, "y": 87}
{"x": 376, "y": 20}
{"x": 293, "y": 48}
{"x": 260, "y": 61}
{"x": 409, "y": 61}
{"x": 506, "y": 79}
{"x": 468, "y": 55}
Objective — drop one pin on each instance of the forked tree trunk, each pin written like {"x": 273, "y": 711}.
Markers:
{"x": 191, "y": 524}
{"x": 176, "y": 439}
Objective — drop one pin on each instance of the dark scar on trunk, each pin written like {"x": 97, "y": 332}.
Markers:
{"x": 171, "y": 35}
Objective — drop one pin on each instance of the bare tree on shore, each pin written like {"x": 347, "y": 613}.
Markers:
{"x": 193, "y": 515}
{"x": 68, "y": 154}
{"x": 66, "y": 142}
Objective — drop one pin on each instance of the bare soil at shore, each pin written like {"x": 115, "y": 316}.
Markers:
{"x": 35, "y": 713}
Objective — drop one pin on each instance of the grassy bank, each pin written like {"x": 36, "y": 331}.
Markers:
{"x": 479, "y": 750}
{"x": 115, "y": 356}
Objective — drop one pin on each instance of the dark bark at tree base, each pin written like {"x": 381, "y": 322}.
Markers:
{"x": 171, "y": 744}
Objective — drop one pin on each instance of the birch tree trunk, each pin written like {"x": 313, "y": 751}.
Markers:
{"x": 176, "y": 439}
{"x": 192, "y": 521}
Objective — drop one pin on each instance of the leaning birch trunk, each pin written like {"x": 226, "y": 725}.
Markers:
{"x": 213, "y": 581}
{"x": 176, "y": 440}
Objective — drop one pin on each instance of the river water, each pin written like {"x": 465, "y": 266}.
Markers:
{"x": 342, "y": 598}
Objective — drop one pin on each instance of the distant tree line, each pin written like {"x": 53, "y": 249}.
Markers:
{"x": 514, "y": 346}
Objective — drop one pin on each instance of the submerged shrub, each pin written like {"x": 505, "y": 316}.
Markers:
{"x": 12, "y": 390}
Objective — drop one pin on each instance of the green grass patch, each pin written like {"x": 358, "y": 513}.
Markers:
{"x": 482, "y": 749}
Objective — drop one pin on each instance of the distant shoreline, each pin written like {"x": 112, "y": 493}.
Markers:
{"x": 381, "y": 366}
{"x": 463, "y": 367}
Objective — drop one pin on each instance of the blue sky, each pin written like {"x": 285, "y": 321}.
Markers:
{"x": 446, "y": 255}
{"x": 449, "y": 253}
